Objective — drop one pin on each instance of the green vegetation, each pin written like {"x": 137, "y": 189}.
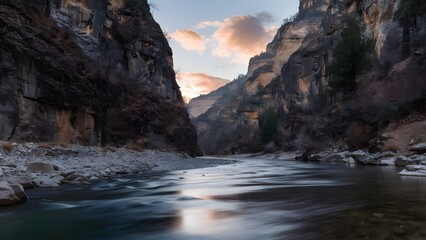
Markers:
{"x": 352, "y": 57}
{"x": 409, "y": 10}
{"x": 407, "y": 14}
{"x": 268, "y": 125}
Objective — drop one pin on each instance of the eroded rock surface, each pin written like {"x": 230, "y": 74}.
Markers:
{"x": 68, "y": 69}
{"x": 292, "y": 79}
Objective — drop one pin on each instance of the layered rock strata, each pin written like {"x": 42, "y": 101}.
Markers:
{"x": 89, "y": 72}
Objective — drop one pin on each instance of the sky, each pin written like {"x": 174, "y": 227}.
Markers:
{"x": 213, "y": 40}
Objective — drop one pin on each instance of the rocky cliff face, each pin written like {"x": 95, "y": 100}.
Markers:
{"x": 89, "y": 72}
{"x": 291, "y": 79}
{"x": 238, "y": 120}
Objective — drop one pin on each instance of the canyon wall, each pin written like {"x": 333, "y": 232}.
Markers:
{"x": 89, "y": 72}
{"x": 291, "y": 80}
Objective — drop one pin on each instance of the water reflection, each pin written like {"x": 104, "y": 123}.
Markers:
{"x": 204, "y": 221}
{"x": 256, "y": 199}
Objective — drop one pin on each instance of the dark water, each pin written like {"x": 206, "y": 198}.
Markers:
{"x": 255, "y": 199}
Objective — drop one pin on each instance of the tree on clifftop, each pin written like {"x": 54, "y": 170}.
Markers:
{"x": 352, "y": 57}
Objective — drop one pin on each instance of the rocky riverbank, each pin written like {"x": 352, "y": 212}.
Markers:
{"x": 414, "y": 162}
{"x": 29, "y": 165}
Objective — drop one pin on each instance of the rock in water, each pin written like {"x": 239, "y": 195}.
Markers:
{"x": 362, "y": 157}
{"x": 19, "y": 192}
{"x": 41, "y": 167}
{"x": 7, "y": 194}
{"x": 420, "y": 148}
{"x": 414, "y": 170}
{"x": 25, "y": 182}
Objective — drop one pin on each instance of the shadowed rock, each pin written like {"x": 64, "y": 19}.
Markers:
{"x": 41, "y": 167}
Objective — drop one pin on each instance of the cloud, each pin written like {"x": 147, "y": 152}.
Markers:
{"x": 265, "y": 17}
{"x": 207, "y": 24}
{"x": 241, "y": 37}
{"x": 189, "y": 40}
{"x": 194, "y": 84}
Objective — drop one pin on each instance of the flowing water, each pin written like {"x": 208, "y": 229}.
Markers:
{"x": 253, "y": 199}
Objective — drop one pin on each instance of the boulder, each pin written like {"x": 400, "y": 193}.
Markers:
{"x": 19, "y": 192}
{"x": 25, "y": 182}
{"x": 413, "y": 160}
{"x": 41, "y": 167}
{"x": 75, "y": 177}
{"x": 414, "y": 170}
{"x": 419, "y": 148}
{"x": 389, "y": 161}
{"x": 7, "y": 194}
{"x": 364, "y": 158}
{"x": 48, "y": 181}
{"x": 334, "y": 157}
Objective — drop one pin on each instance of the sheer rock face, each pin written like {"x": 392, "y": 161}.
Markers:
{"x": 291, "y": 76}
{"x": 238, "y": 120}
{"x": 306, "y": 110}
{"x": 68, "y": 66}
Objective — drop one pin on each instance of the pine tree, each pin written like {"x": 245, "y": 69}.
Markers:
{"x": 407, "y": 13}
{"x": 268, "y": 125}
{"x": 352, "y": 57}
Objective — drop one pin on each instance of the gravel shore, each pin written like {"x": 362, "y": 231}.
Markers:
{"x": 29, "y": 165}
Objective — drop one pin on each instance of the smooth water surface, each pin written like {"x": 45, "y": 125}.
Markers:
{"x": 253, "y": 199}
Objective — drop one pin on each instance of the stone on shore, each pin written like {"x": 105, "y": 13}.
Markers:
{"x": 413, "y": 160}
{"x": 7, "y": 194}
{"x": 414, "y": 170}
{"x": 388, "y": 161}
{"x": 75, "y": 177}
{"x": 19, "y": 192}
{"x": 41, "y": 167}
{"x": 419, "y": 148}
{"x": 24, "y": 181}
{"x": 362, "y": 157}
{"x": 48, "y": 181}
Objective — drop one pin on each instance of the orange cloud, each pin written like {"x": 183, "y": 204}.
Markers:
{"x": 207, "y": 24}
{"x": 194, "y": 84}
{"x": 242, "y": 37}
{"x": 189, "y": 40}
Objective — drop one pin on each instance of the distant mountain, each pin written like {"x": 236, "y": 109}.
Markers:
{"x": 201, "y": 104}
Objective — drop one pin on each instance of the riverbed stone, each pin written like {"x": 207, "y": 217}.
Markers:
{"x": 24, "y": 181}
{"x": 19, "y": 192}
{"x": 7, "y": 194}
{"x": 48, "y": 181}
{"x": 414, "y": 170}
{"x": 334, "y": 157}
{"x": 93, "y": 178}
{"x": 9, "y": 165}
{"x": 420, "y": 147}
{"x": 41, "y": 167}
{"x": 364, "y": 158}
{"x": 405, "y": 161}
{"x": 388, "y": 161}
{"x": 75, "y": 177}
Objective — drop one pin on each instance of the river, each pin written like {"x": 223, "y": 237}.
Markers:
{"x": 251, "y": 199}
